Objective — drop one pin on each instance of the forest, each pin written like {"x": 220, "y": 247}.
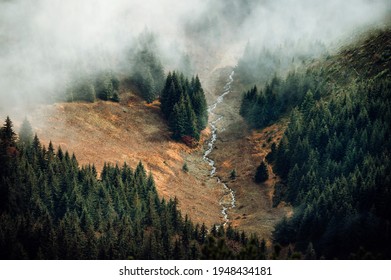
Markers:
{"x": 146, "y": 76}
{"x": 334, "y": 157}
{"x": 195, "y": 130}
{"x": 51, "y": 208}
{"x": 333, "y": 161}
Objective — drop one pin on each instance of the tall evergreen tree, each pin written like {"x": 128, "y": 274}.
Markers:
{"x": 25, "y": 133}
{"x": 262, "y": 173}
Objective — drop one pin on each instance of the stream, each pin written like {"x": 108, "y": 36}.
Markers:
{"x": 227, "y": 201}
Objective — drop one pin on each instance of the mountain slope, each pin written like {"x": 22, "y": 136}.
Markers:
{"x": 335, "y": 157}
{"x": 131, "y": 131}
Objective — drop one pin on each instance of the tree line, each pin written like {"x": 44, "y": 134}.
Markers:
{"x": 335, "y": 160}
{"x": 258, "y": 64}
{"x": 263, "y": 107}
{"x": 147, "y": 72}
{"x": 334, "y": 157}
{"x": 51, "y": 208}
{"x": 103, "y": 86}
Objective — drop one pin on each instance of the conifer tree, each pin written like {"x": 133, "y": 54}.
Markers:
{"x": 7, "y": 134}
{"x": 233, "y": 175}
{"x": 261, "y": 174}
{"x": 25, "y": 133}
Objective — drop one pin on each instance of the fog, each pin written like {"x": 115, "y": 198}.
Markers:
{"x": 44, "y": 42}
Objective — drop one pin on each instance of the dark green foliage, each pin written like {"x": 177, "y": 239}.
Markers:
{"x": 7, "y": 134}
{"x": 50, "y": 208}
{"x": 185, "y": 168}
{"x": 107, "y": 86}
{"x": 233, "y": 174}
{"x": 271, "y": 156}
{"x": 335, "y": 158}
{"x": 261, "y": 108}
{"x": 278, "y": 194}
{"x": 184, "y": 105}
{"x": 115, "y": 97}
{"x": 262, "y": 174}
{"x": 198, "y": 102}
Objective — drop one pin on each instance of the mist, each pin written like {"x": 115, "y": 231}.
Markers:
{"x": 44, "y": 42}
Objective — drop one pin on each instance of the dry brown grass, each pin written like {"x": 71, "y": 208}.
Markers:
{"x": 239, "y": 148}
{"x": 254, "y": 211}
{"x": 131, "y": 132}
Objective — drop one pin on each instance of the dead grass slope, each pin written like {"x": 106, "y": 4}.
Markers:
{"x": 131, "y": 132}
{"x": 240, "y": 148}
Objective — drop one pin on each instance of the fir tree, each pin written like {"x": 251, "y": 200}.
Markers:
{"x": 233, "y": 175}
{"x": 261, "y": 174}
{"x": 25, "y": 133}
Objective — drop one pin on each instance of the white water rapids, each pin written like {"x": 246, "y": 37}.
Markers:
{"x": 216, "y": 118}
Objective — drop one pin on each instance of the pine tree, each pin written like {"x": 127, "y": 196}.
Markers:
{"x": 115, "y": 97}
{"x": 104, "y": 86}
{"x": 233, "y": 175}
{"x": 165, "y": 96}
{"x": 191, "y": 127}
{"x": 177, "y": 121}
{"x": 7, "y": 134}
{"x": 261, "y": 174}
{"x": 307, "y": 104}
{"x": 25, "y": 133}
{"x": 271, "y": 156}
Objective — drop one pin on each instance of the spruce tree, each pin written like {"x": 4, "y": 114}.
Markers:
{"x": 191, "y": 128}
{"x": 104, "y": 86}
{"x": 25, "y": 133}
{"x": 261, "y": 174}
{"x": 177, "y": 121}
{"x": 165, "y": 96}
{"x": 233, "y": 175}
{"x": 7, "y": 134}
{"x": 115, "y": 97}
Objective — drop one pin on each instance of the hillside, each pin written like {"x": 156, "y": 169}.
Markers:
{"x": 239, "y": 148}
{"x": 358, "y": 73}
{"x": 134, "y": 131}
{"x": 334, "y": 157}
{"x": 370, "y": 56}
{"x": 131, "y": 131}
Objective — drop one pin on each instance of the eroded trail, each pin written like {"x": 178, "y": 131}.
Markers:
{"x": 227, "y": 201}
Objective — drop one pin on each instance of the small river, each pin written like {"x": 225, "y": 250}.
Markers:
{"x": 227, "y": 201}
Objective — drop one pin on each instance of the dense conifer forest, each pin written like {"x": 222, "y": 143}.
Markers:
{"x": 288, "y": 159}
{"x": 334, "y": 158}
{"x": 51, "y": 208}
